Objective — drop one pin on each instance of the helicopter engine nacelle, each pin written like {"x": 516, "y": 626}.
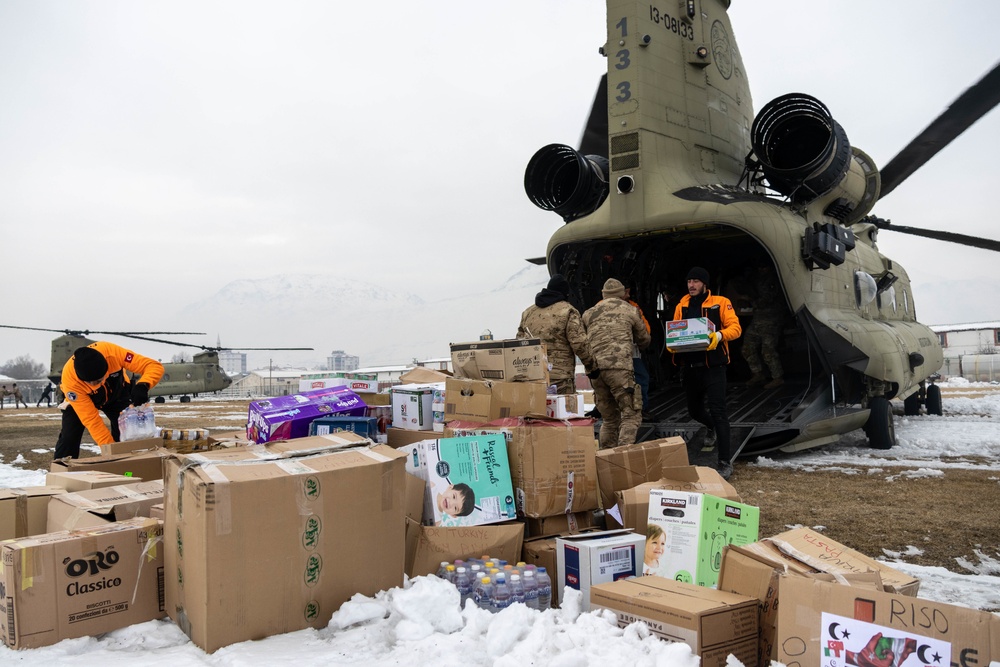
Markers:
{"x": 559, "y": 178}
{"x": 806, "y": 156}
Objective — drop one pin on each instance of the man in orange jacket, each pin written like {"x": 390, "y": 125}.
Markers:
{"x": 704, "y": 372}
{"x": 94, "y": 381}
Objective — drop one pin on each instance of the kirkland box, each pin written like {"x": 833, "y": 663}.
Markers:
{"x": 693, "y": 530}
{"x": 713, "y": 623}
{"x": 631, "y": 507}
{"x": 81, "y": 583}
{"x": 689, "y": 335}
{"x": 287, "y": 417}
{"x": 24, "y": 510}
{"x": 586, "y": 559}
{"x": 267, "y": 542}
{"x": 468, "y": 481}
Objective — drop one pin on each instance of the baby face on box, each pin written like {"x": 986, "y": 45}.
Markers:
{"x": 469, "y": 481}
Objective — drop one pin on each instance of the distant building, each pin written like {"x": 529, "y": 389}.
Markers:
{"x": 963, "y": 343}
{"x": 340, "y": 361}
{"x": 437, "y": 363}
{"x": 234, "y": 363}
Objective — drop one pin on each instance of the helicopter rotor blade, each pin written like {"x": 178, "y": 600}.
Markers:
{"x": 595, "y": 135}
{"x": 970, "y": 106}
{"x": 952, "y": 237}
{"x": 87, "y": 332}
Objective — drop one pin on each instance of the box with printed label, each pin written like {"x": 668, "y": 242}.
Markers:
{"x": 468, "y": 481}
{"x": 80, "y": 583}
{"x": 631, "y": 507}
{"x": 412, "y": 407}
{"x": 322, "y": 522}
{"x": 564, "y": 406}
{"x": 479, "y": 360}
{"x": 24, "y": 510}
{"x": 688, "y": 531}
{"x": 366, "y": 427}
{"x": 96, "y": 507}
{"x": 586, "y": 559}
{"x": 287, "y": 417}
{"x": 689, "y": 335}
{"x": 525, "y": 360}
{"x": 713, "y": 623}
{"x": 627, "y": 466}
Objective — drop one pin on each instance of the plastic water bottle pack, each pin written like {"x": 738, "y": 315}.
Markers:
{"x": 137, "y": 423}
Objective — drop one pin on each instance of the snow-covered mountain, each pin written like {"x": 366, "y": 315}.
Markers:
{"x": 378, "y": 323}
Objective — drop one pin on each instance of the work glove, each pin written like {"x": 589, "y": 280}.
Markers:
{"x": 140, "y": 393}
{"x": 593, "y": 375}
{"x": 716, "y": 339}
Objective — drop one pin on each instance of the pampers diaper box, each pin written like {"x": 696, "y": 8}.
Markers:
{"x": 468, "y": 481}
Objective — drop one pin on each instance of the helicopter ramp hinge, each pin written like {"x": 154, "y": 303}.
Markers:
{"x": 826, "y": 245}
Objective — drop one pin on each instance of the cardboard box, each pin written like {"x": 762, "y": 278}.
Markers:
{"x": 690, "y": 335}
{"x": 398, "y": 437}
{"x": 525, "y": 360}
{"x": 553, "y": 463}
{"x": 129, "y": 446}
{"x": 157, "y": 512}
{"x": 798, "y": 612}
{"x": 631, "y": 506}
{"x": 559, "y": 524}
{"x": 585, "y": 559}
{"x": 428, "y": 546}
{"x": 287, "y": 417}
{"x": 628, "y": 466}
{"x": 541, "y": 552}
{"x": 145, "y": 465}
{"x": 695, "y": 529}
{"x": 366, "y": 427}
{"x": 484, "y": 401}
{"x": 468, "y": 481}
{"x": 260, "y": 546}
{"x": 97, "y": 507}
{"x": 411, "y": 407}
{"x": 564, "y": 406}
{"x": 23, "y": 510}
{"x": 355, "y": 385}
{"x": 82, "y": 583}
{"x": 713, "y": 623}
{"x": 479, "y": 360}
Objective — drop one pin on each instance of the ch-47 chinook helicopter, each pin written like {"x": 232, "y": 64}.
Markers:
{"x": 201, "y": 375}
{"x": 674, "y": 171}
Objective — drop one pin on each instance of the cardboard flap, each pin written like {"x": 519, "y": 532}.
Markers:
{"x": 428, "y": 546}
{"x": 422, "y": 375}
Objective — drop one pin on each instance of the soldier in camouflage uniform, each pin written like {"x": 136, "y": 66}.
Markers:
{"x": 613, "y": 327}
{"x": 558, "y": 324}
{"x": 760, "y": 340}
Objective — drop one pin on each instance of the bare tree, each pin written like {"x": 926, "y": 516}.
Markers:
{"x": 180, "y": 358}
{"x": 23, "y": 368}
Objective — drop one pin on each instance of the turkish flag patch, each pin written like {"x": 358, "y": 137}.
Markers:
{"x": 128, "y": 357}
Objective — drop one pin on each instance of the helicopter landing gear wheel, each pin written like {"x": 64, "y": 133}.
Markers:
{"x": 911, "y": 405}
{"x": 934, "y": 400}
{"x": 159, "y": 399}
{"x": 879, "y": 427}
{"x": 185, "y": 399}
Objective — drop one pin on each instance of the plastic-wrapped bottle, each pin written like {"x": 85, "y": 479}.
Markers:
{"x": 530, "y": 589}
{"x": 517, "y": 589}
{"x": 482, "y": 593}
{"x": 147, "y": 421}
{"x": 501, "y": 593}
{"x": 544, "y": 589}
{"x": 463, "y": 582}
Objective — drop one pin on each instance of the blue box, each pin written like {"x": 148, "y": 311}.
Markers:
{"x": 366, "y": 427}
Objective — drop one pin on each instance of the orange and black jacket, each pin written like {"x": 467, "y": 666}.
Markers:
{"x": 87, "y": 401}
{"x": 720, "y": 311}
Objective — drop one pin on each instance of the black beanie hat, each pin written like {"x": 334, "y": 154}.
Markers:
{"x": 558, "y": 283}
{"x": 90, "y": 364}
{"x": 698, "y": 273}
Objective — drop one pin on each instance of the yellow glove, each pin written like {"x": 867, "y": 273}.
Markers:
{"x": 716, "y": 339}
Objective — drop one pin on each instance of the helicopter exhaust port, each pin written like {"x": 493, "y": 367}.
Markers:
{"x": 558, "y": 178}
{"x": 802, "y": 150}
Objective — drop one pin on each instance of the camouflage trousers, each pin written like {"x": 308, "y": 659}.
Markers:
{"x": 619, "y": 400}
{"x": 564, "y": 386}
{"x": 760, "y": 346}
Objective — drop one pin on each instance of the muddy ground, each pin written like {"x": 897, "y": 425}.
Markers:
{"x": 951, "y": 516}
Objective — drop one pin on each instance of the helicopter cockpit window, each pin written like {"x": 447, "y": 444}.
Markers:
{"x": 906, "y": 303}
{"x": 865, "y": 289}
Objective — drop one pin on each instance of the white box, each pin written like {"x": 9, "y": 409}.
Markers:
{"x": 689, "y": 335}
{"x": 412, "y": 407}
{"x": 564, "y": 406}
{"x": 597, "y": 558}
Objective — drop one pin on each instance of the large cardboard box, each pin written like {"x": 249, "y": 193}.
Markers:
{"x": 631, "y": 507}
{"x": 512, "y": 360}
{"x": 412, "y": 407}
{"x": 146, "y": 465}
{"x": 81, "y": 583}
{"x": 428, "y": 546}
{"x": 287, "y": 417}
{"x": 560, "y": 523}
{"x": 398, "y": 437}
{"x": 82, "y": 480}
{"x": 553, "y": 463}
{"x": 97, "y": 507}
{"x": 262, "y": 543}
{"x": 808, "y": 621}
{"x": 689, "y": 335}
{"x": 488, "y": 400}
{"x": 713, "y": 623}
{"x": 468, "y": 481}
{"x": 694, "y": 529}
{"x": 129, "y": 446}
{"x": 23, "y": 510}
{"x": 627, "y": 466}
{"x": 525, "y": 360}
{"x": 585, "y": 559}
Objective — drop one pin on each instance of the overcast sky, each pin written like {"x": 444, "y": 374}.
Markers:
{"x": 151, "y": 152}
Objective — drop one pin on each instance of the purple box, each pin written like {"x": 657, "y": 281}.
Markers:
{"x": 287, "y": 417}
